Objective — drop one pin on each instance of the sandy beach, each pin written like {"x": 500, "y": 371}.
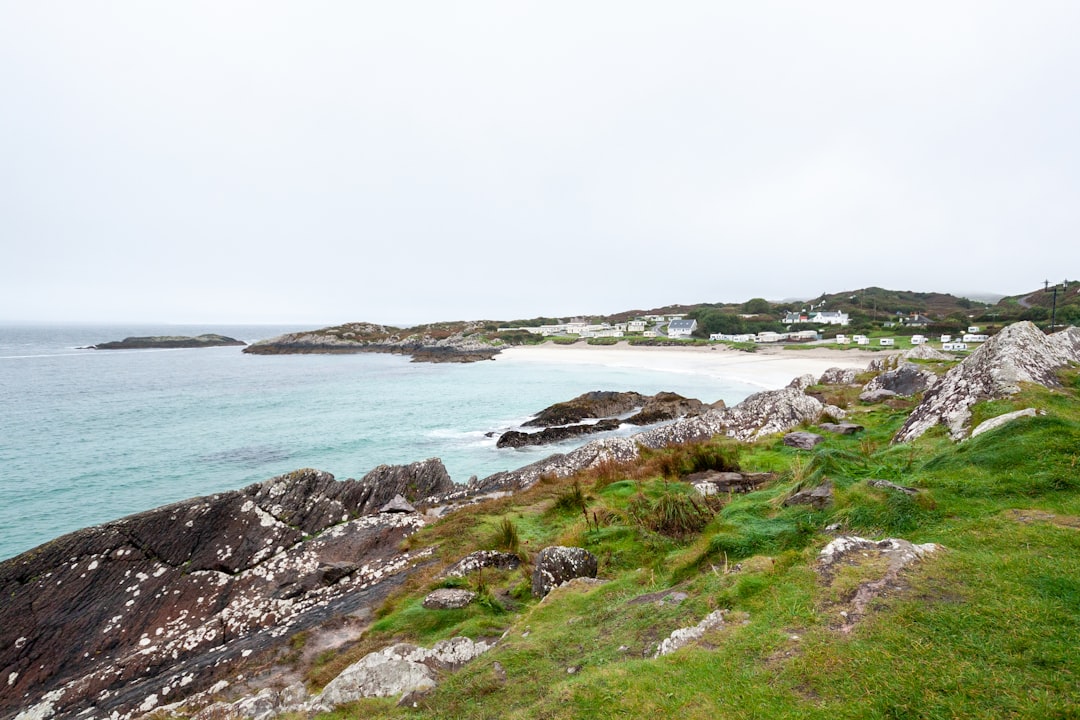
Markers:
{"x": 768, "y": 368}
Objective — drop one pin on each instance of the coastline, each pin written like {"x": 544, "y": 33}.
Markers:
{"x": 769, "y": 368}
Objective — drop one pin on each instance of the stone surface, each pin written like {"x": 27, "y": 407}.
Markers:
{"x": 838, "y": 376}
{"x": 906, "y": 379}
{"x": 802, "y": 440}
{"x": 874, "y": 396}
{"x": 456, "y": 342}
{"x": 557, "y": 564}
{"x": 886, "y": 485}
{"x": 996, "y": 422}
{"x": 483, "y": 559}
{"x": 590, "y": 405}
{"x": 844, "y": 428}
{"x": 818, "y": 498}
{"x": 397, "y": 504}
{"x": 174, "y": 597}
{"x": 1019, "y": 353}
{"x": 516, "y": 438}
{"x": 712, "y": 482}
{"x": 684, "y": 636}
{"x": 665, "y": 406}
{"x": 448, "y": 599}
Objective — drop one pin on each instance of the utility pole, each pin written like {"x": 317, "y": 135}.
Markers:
{"x": 1053, "y": 311}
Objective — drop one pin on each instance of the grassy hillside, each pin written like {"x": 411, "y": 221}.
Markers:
{"x": 986, "y": 627}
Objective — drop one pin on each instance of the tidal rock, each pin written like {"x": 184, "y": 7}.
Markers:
{"x": 515, "y": 438}
{"x": 169, "y": 341}
{"x": 590, "y": 405}
{"x": 996, "y": 422}
{"x": 448, "y": 599}
{"x": 838, "y": 376}
{"x": 906, "y": 379}
{"x": 483, "y": 559}
{"x": 802, "y": 440}
{"x": 557, "y": 564}
{"x": 817, "y": 498}
{"x": 1019, "y": 353}
{"x": 844, "y": 428}
{"x": 162, "y": 604}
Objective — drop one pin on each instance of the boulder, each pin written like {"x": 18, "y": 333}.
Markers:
{"x": 557, "y": 564}
{"x": 838, "y": 376}
{"x": 844, "y": 428}
{"x": 711, "y": 482}
{"x": 397, "y": 504}
{"x": 817, "y": 498}
{"x": 515, "y": 438}
{"x": 666, "y": 406}
{"x": 483, "y": 559}
{"x": 996, "y": 422}
{"x": 590, "y": 405}
{"x": 1019, "y": 353}
{"x": 448, "y": 599}
{"x": 876, "y": 396}
{"x": 906, "y": 379}
{"x": 802, "y": 440}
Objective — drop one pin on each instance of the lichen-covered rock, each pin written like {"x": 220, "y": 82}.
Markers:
{"x": 878, "y": 395}
{"x": 838, "y": 376}
{"x": 905, "y": 379}
{"x": 818, "y": 497}
{"x": 803, "y": 440}
{"x": 996, "y": 422}
{"x": 172, "y": 598}
{"x": 483, "y": 559}
{"x": 1019, "y": 353}
{"x": 397, "y": 504}
{"x": 448, "y": 599}
{"x": 557, "y": 564}
{"x": 665, "y": 406}
{"x": 684, "y": 636}
{"x": 712, "y": 482}
{"x": 844, "y": 428}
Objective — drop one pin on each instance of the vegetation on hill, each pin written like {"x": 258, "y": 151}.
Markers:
{"x": 985, "y": 628}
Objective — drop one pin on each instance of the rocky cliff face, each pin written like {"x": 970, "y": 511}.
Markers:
{"x": 119, "y": 618}
{"x": 1020, "y": 353}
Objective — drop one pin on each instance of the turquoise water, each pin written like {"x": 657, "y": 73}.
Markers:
{"x": 89, "y": 436}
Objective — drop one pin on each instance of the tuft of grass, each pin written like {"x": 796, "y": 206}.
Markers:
{"x": 506, "y": 536}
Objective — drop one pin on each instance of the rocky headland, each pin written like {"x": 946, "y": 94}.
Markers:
{"x": 446, "y": 342}
{"x": 169, "y": 341}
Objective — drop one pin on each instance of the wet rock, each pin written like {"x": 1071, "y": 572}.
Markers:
{"x": 1019, "y": 353}
{"x": 802, "y": 440}
{"x": 515, "y": 438}
{"x": 448, "y": 599}
{"x": 483, "y": 559}
{"x": 590, "y": 405}
{"x": 844, "y": 428}
{"x": 557, "y": 564}
{"x": 996, "y": 422}
{"x": 817, "y": 498}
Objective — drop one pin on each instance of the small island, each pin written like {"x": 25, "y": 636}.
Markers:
{"x": 168, "y": 341}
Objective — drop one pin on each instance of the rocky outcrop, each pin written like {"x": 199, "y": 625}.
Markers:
{"x": 817, "y": 498}
{"x": 714, "y": 482}
{"x": 684, "y": 636}
{"x": 838, "y": 376}
{"x": 844, "y": 428}
{"x": 996, "y": 422}
{"x": 588, "y": 406}
{"x": 557, "y": 564}
{"x": 876, "y": 396}
{"x": 802, "y": 440}
{"x": 457, "y": 342}
{"x": 669, "y": 406}
{"x": 142, "y": 611}
{"x": 169, "y": 341}
{"x": 906, "y": 379}
{"x": 547, "y": 436}
{"x": 483, "y": 559}
{"x": 448, "y": 599}
{"x": 1020, "y": 353}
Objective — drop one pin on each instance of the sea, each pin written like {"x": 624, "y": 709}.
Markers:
{"x": 88, "y": 436}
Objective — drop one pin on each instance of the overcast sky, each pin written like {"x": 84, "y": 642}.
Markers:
{"x": 414, "y": 161}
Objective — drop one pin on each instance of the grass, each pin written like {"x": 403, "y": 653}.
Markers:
{"x": 986, "y": 628}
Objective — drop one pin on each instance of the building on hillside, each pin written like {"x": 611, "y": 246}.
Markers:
{"x": 830, "y": 318}
{"x": 681, "y": 328}
{"x": 793, "y": 317}
{"x": 917, "y": 320}
{"x": 886, "y": 342}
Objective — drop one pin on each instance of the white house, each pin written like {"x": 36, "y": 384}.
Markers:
{"x": 973, "y": 338}
{"x": 830, "y": 318}
{"x": 793, "y": 317}
{"x": 954, "y": 346}
{"x": 886, "y": 341}
{"x": 635, "y": 326}
{"x": 681, "y": 328}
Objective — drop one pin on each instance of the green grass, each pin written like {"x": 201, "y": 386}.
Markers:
{"x": 985, "y": 628}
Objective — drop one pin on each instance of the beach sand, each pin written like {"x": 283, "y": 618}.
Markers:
{"x": 768, "y": 368}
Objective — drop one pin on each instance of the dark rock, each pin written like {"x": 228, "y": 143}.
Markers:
{"x": 414, "y": 482}
{"x": 1019, "y": 353}
{"x": 557, "y": 564}
{"x": 169, "y": 341}
{"x": 110, "y": 618}
{"x": 397, "y": 505}
{"x": 514, "y": 438}
{"x": 817, "y": 498}
{"x": 802, "y": 440}
{"x": 844, "y": 428}
{"x": 906, "y": 379}
{"x": 666, "y": 406}
{"x": 448, "y": 599}
{"x": 591, "y": 405}
{"x": 483, "y": 559}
